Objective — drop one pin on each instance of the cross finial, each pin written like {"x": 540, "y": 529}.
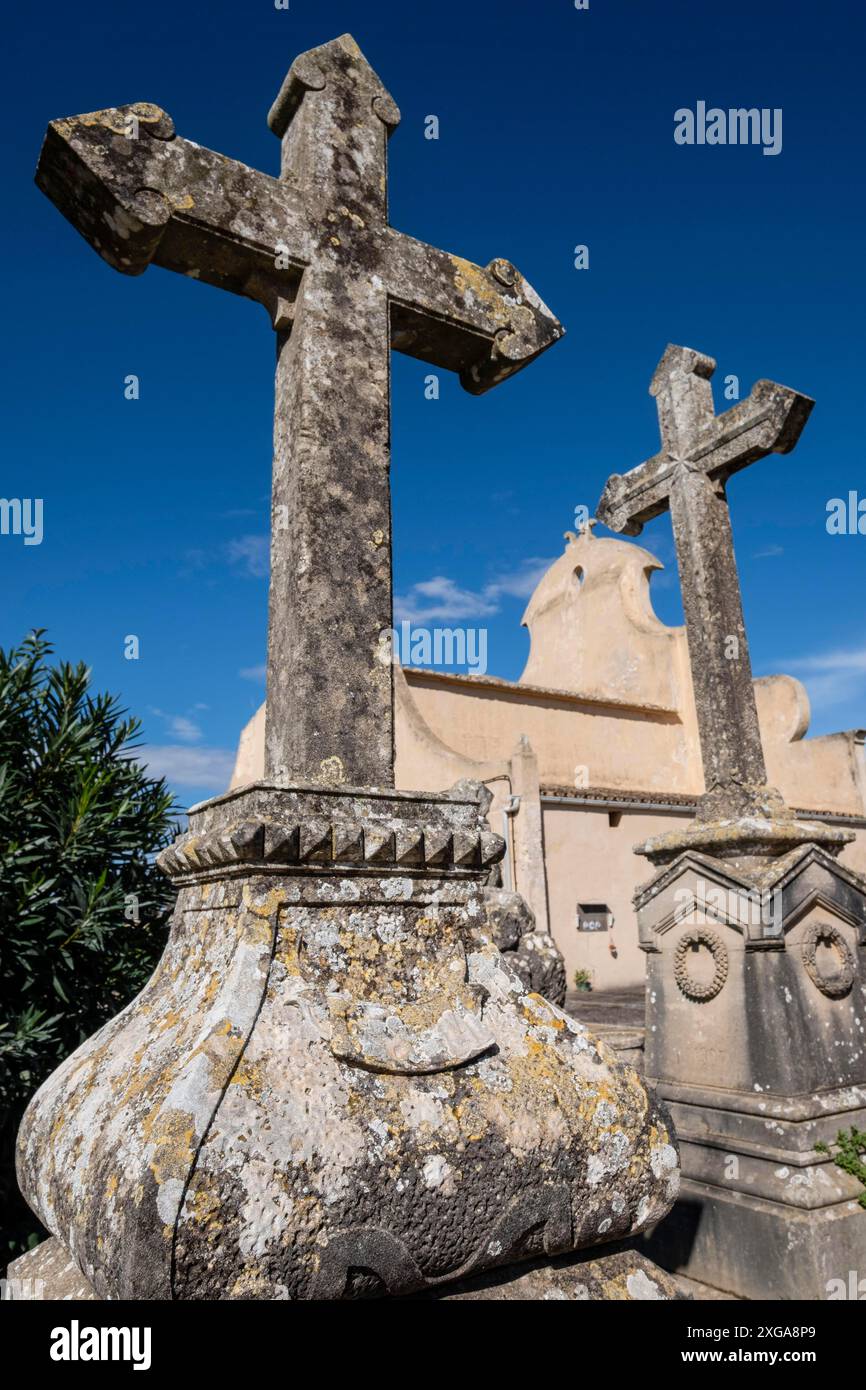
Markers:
{"x": 684, "y": 397}
{"x": 338, "y": 62}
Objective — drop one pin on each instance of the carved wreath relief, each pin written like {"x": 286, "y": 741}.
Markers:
{"x": 839, "y": 981}
{"x": 700, "y": 991}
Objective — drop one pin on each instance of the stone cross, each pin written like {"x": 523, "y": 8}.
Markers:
{"x": 700, "y": 451}
{"x": 342, "y": 288}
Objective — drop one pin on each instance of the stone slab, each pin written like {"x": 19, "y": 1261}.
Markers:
{"x": 758, "y": 1250}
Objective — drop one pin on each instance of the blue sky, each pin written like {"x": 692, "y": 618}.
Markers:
{"x": 556, "y": 129}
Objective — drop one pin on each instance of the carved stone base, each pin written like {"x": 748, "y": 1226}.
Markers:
{"x": 749, "y": 838}
{"x": 531, "y": 954}
{"x": 759, "y": 1250}
{"x": 333, "y": 1085}
{"x": 756, "y": 1039}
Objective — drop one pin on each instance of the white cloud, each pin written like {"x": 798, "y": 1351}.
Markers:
{"x": 209, "y": 768}
{"x": 521, "y": 583}
{"x": 442, "y": 600}
{"x": 852, "y": 660}
{"x": 769, "y": 552}
{"x": 832, "y": 677}
{"x": 253, "y": 553}
{"x": 180, "y": 726}
{"x": 253, "y": 673}
{"x": 184, "y": 729}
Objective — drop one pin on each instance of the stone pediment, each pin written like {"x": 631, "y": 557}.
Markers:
{"x": 763, "y": 906}
{"x": 593, "y": 631}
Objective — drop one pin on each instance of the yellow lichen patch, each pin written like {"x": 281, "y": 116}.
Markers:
{"x": 471, "y": 1119}
{"x": 221, "y": 1047}
{"x": 470, "y": 279}
{"x": 183, "y": 204}
{"x": 265, "y": 905}
{"x": 171, "y": 1134}
{"x": 170, "y": 1019}
{"x": 148, "y": 111}
{"x": 253, "y": 1284}
{"x": 287, "y": 950}
{"x": 603, "y": 1093}
{"x": 211, "y": 989}
{"x": 352, "y": 217}
{"x": 119, "y": 121}
{"x": 537, "y": 1011}
{"x": 333, "y": 772}
{"x": 206, "y": 1210}
{"x": 616, "y": 1289}
{"x": 249, "y": 1075}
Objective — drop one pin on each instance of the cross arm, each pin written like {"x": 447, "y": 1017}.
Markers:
{"x": 769, "y": 421}
{"x": 483, "y": 323}
{"x": 138, "y": 193}
{"x": 632, "y": 499}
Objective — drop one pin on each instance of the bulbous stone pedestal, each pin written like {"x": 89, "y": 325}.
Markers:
{"x": 333, "y": 1085}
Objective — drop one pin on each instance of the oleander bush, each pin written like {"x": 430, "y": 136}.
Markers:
{"x": 83, "y": 908}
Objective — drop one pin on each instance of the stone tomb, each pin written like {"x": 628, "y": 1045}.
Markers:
{"x": 756, "y": 1020}
{"x": 756, "y": 1038}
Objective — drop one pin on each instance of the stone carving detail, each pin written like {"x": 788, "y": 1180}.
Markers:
{"x": 692, "y": 989}
{"x": 533, "y": 955}
{"x": 325, "y": 844}
{"x": 840, "y": 982}
{"x": 424, "y": 1019}
{"x": 355, "y": 1260}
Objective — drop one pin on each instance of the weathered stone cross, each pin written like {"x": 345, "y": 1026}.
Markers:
{"x": 342, "y": 288}
{"x": 700, "y": 451}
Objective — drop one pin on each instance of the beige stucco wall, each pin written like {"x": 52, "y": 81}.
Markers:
{"x": 588, "y": 860}
{"x": 619, "y": 746}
